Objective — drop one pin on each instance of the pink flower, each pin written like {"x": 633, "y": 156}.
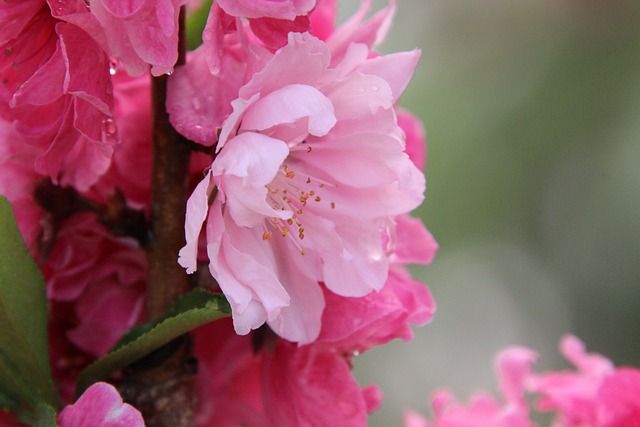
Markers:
{"x": 100, "y": 406}
{"x": 141, "y": 33}
{"x": 620, "y": 400}
{"x": 280, "y": 9}
{"x": 513, "y": 366}
{"x": 358, "y": 324}
{"x": 58, "y": 94}
{"x": 311, "y": 169}
{"x": 597, "y": 394}
{"x": 263, "y": 381}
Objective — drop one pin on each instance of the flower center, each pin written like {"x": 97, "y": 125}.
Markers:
{"x": 295, "y": 192}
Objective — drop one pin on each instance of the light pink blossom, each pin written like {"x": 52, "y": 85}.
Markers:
{"x": 311, "y": 170}
{"x": 100, "y": 406}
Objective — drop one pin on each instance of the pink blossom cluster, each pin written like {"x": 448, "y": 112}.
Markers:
{"x": 300, "y": 213}
{"x": 597, "y": 394}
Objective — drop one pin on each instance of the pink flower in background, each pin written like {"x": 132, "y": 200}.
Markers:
{"x": 513, "y": 367}
{"x": 100, "y": 406}
{"x": 310, "y": 172}
{"x": 597, "y": 394}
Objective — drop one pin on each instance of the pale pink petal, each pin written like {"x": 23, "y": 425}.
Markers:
{"x": 360, "y": 96}
{"x": 100, "y": 406}
{"x": 299, "y": 321}
{"x": 395, "y": 69}
{"x": 248, "y": 163}
{"x": 245, "y": 271}
{"x": 289, "y": 104}
{"x": 374, "y": 159}
{"x": 197, "y": 208}
{"x": 287, "y": 68}
{"x": 361, "y": 267}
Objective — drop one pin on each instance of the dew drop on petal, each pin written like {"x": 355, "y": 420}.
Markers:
{"x": 113, "y": 66}
{"x": 109, "y": 130}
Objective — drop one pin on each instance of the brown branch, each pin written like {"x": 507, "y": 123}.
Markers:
{"x": 170, "y": 190}
{"x": 162, "y": 385}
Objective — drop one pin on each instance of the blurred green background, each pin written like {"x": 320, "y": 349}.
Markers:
{"x": 532, "y": 109}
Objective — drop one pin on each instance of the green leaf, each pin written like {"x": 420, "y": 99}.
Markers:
{"x": 188, "y": 312}
{"x": 45, "y": 416}
{"x": 25, "y": 373}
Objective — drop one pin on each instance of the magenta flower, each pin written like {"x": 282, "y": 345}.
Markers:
{"x": 310, "y": 172}
{"x": 280, "y": 9}
{"x": 100, "y": 406}
{"x": 275, "y": 383}
{"x": 141, "y": 33}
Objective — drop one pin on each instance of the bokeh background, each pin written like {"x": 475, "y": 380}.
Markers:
{"x": 532, "y": 109}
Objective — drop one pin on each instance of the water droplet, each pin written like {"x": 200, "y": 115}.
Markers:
{"x": 374, "y": 88}
{"x": 168, "y": 73}
{"x": 196, "y": 104}
{"x": 113, "y": 66}
{"x": 109, "y": 130}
